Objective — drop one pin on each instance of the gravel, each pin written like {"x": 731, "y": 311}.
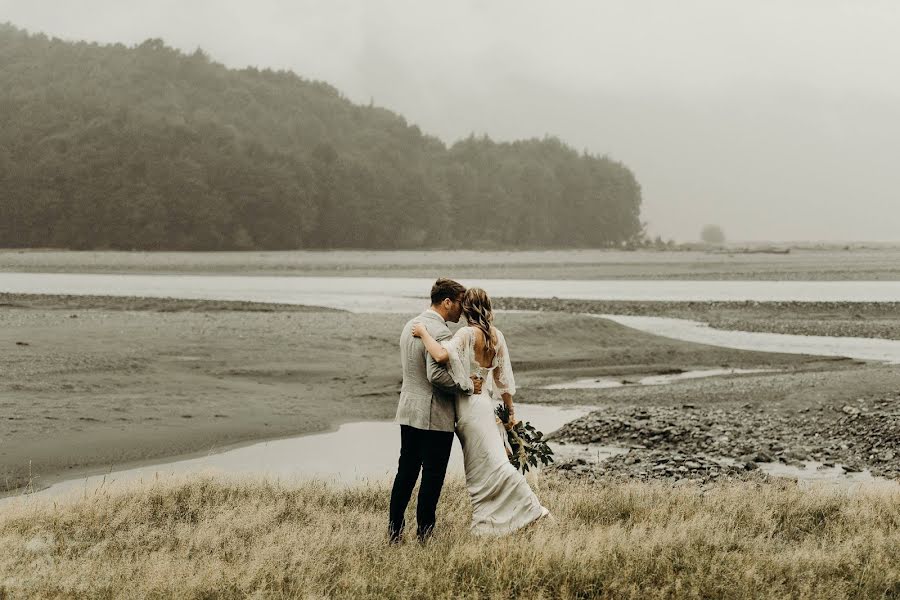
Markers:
{"x": 706, "y": 444}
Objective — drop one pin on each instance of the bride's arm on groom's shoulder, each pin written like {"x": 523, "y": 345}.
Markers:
{"x": 438, "y": 369}
{"x": 437, "y": 352}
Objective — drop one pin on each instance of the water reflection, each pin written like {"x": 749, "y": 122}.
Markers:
{"x": 355, "y": 452}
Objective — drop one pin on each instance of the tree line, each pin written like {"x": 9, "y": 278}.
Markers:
{"x": 147, "y": 147}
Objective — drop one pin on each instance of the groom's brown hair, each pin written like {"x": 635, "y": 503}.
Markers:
{"x": 446, "y": 288}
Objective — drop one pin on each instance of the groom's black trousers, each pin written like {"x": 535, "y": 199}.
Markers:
{"x": 428, "y": 451}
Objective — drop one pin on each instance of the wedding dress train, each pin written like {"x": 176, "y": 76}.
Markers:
{"x": 502, "y": 500}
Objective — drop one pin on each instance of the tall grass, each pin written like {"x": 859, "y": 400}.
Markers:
{"x": 218, "y": 538}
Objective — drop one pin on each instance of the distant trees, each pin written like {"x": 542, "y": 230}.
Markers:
{"x": 712, "y": 234}
{"x": 149, "y": 148}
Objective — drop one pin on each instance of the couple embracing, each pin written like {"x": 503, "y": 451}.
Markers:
{"x": 454, "y": 383}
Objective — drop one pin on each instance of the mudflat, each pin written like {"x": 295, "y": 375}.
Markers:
{"x": 802, "y": 262}
{"x": 94, "y": 383}
{"x": 836, "y": 319}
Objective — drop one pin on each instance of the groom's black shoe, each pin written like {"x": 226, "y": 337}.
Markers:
{"x": 395, "y": 534}
{"x": 423, "y": 535}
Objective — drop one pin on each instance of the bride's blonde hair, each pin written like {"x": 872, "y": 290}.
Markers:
{"x": 477, "y": 308}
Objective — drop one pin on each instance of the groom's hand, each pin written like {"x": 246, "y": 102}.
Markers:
{"x": 476, "y": 382}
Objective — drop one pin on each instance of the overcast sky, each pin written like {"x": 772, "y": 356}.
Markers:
{"x": 776, "y": 119}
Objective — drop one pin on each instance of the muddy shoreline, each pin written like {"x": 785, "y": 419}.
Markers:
{"x": 89, "y": 384}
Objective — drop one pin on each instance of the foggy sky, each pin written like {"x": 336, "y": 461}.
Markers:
{"x": 777, "y": 120}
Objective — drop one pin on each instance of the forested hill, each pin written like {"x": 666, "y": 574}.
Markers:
{"x": 150, "y": 148}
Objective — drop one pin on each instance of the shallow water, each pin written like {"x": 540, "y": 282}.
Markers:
{"x": 354, "y": 453}
{"x": 693, "y": 331}
{"x": 813, "y": 473}
{"x": 593, "y": 383}
{"x": 407, "y": 295}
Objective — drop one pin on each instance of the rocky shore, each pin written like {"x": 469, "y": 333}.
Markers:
{"x": 839, "y": 319}
{"x": 705, "y": 444}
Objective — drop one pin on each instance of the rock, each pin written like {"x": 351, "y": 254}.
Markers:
{"x": 850, "y": 410}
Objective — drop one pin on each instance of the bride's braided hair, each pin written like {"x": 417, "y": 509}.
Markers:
{"x": 479, "y": 313}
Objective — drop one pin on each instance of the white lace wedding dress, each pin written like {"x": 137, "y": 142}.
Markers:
{"x": 502, "y": 500}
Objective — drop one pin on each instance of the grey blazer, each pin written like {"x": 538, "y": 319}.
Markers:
{"x": 428, "y": 394}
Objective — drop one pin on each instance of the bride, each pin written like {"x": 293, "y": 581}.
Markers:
{"x": 502, "y": 501}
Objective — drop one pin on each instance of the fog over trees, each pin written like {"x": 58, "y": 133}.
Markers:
{"x": 147, "y": 147}
{"x": 775, "y": 120}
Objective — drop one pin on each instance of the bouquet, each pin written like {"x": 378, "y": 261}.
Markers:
{"x": 528, "y": 445}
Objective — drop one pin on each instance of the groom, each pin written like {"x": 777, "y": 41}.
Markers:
{"x": 426, "y": 413}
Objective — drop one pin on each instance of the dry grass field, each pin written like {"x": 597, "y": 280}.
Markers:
{"x": 214, "y": 538}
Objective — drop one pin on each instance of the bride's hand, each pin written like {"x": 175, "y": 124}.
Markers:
{"x": 418, "y": 330}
